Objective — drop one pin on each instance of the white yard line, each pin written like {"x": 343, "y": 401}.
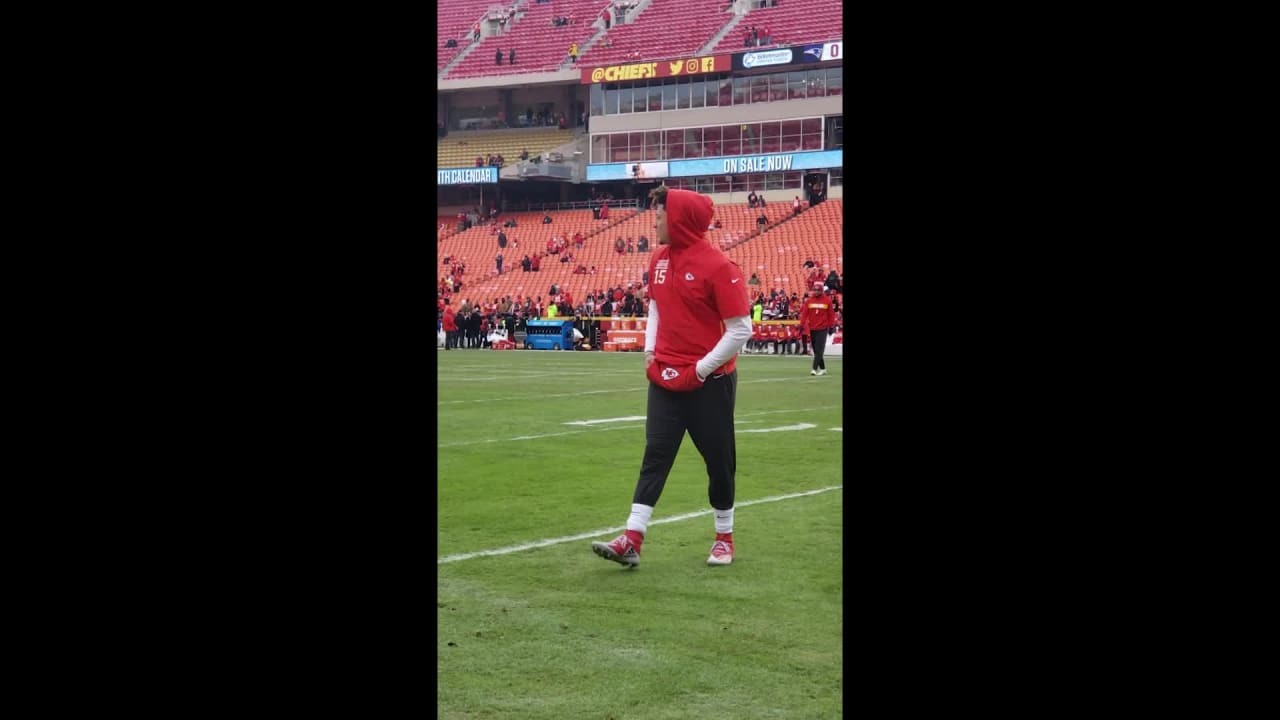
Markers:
{"x": 620, "y": 427}
{"x": 608, "y": 531}
{"x": 605, "y": 420}
{"x": 784, "y": 428}
{"x": 601, "y": 392}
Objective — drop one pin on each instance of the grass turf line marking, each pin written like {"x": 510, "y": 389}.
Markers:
{"x": 610, "y": 530}
{"x": 605, "y": 420}
{"x": 621, "y": 427}
{"x": 601, "y": 392}
{"x": 839, "y": 429}
{"x": 784, "y": 428}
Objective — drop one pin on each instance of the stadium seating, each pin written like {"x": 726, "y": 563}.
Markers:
{"x": 540, "y": 46}
{"x": 479, "y": 245}
{"x": 460, "y": 149}
{"x": 664, "y": 29}
{"x": 777, "y": 256}
{"x": 790, "y": 22}
{"x": 455, "y": 20}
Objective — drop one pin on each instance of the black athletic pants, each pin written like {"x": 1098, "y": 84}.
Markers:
{"x": 707, "y": 413}
{"x": 819, "y": 345}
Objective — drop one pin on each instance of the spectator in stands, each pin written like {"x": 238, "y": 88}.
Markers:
{"x": 475, "y": 32}
{"x": 451, "y": 43}
{"x": 497, "y": 56}
{"x": 619, "y": 246}
{"x": 643, "y": 245}
{"x": 755, "y": 279}
{"x": 762, "y": 220}
{"x": 766, "y": 37}
{"x": 592, "y": 271}
{"x": 500, "y": 162}
{"x": 510, "y": 223}
{"x": 795, "y": 206}
{"x": 753, "y": 199}
{"x": 580, "y": 270}
{"x": 479, "y": 161}
{"x": 546, "y": 219}
{"x": 502, "y": 240}
{"x": 536, "y": 264}
{"x": 567, "y": 257}
{"x": 604, "y": 210}
{"x": 524, "y": 153}
{"x": 561, "y": 122}
{"x": 809, "y": 263}
{"x": 498, "y": 261}
{"x": 607, "y": 41}
{"x": 631, "y": 246}
{"x": 833, "y": 282}
{"x": 528, "y": 115}
{"x": 511, "y": 60}
{"x": 635, "y": 54}
{"x": 526, "y": 264}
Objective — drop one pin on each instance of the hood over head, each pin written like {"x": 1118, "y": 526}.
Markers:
{"x": 688, "y": 215}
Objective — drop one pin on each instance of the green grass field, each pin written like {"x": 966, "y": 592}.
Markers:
{"x": 554, "y": 631}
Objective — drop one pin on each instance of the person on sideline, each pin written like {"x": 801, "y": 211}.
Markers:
{"x": 817, "y": 317}
{"x": 698, "y": 322}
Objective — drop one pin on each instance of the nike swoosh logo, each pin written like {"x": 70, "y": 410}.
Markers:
{"x": 735, "y": 280}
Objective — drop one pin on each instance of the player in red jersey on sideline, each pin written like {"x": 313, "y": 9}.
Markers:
{"x": 817, "y": 316}
{"x": 699, "y": 319}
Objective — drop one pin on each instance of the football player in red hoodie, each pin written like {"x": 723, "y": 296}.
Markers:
{"x": 450, "y": 326}
{"x": 817, "y": 317}
{"x": 699, "y": 319}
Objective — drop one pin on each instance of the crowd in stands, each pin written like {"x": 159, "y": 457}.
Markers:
{"x": 757, "y": 37}
{"x": 491, "y": 161}
{"x": 468, "y": 323}
{"x": 777, "y": 304}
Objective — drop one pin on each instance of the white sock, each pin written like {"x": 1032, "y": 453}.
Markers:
{"x": 639, "y": 519}
{"x": 724, "y": 520}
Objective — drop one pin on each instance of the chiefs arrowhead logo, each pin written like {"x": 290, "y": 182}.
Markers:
{"x": 670, "y": 374}
{"x": 676, "y": 67}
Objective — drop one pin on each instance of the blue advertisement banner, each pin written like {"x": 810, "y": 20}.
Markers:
{"x": 744, "y": 164}
{"x": 466, "y": 176}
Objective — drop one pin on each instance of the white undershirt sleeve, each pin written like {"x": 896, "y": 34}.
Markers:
{"x": 651, "y": 327}
{"x": 737, "y": 331}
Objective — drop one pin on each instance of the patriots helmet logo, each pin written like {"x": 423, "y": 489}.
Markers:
{"x": 815, "y": 51}
{"x": 670, "y": 374}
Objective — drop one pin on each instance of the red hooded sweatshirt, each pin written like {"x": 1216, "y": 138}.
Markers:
{"x": 450, "y": 325}
{"x": 695, "y": 285}
{"x": 816, "y": 312}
